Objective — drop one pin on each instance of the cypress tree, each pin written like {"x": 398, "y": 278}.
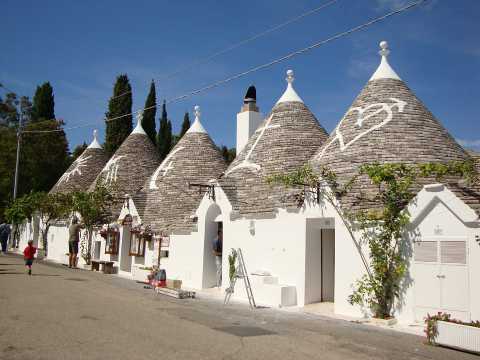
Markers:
{"x": 45, "y": 155}
{"x": 120, "y": 104}
{"x": 43, "y": 103}
{"x": 148, "y": 121}
{"x": 185, "y": 124}
{"x": 165, "y": 138}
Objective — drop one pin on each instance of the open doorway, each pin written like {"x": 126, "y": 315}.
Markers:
{"x": 319, "y": 261}
{"x": 213, "y": 231}
{"x": 125, "y": 258}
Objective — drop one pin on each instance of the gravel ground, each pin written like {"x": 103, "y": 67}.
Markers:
{"x": 59, "y": 313}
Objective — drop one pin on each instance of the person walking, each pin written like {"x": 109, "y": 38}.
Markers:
{"x": 4, "y": 235}
{"x": 28, "y": 255}
{"x": 73, "y": 240}
{"x": 217, "y": 251}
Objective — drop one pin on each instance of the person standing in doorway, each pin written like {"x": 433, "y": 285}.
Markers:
{"x": 217, "y": 251}
{"x": 4, "y": 235}
{"x": 73, "y": 240}
{"x": 28, "y": 255}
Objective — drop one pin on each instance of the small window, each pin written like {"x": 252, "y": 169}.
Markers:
{"x": 111, "y": 242}
{"x": 137, "y": 244}
{"x": 426, "y": 251}
{"x": 453, "y": 252}
{"x": 164, "y": 253}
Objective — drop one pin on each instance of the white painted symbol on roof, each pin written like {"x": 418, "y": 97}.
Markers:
{"x": 388, "y": 108}
{"x": 246, "y": 163}
{"x": 79, "y": 163}
{"x": 163, "y": 168}
{"x": 112, "y": 169}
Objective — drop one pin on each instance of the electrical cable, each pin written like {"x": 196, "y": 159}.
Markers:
{"x": 337, "y": 36}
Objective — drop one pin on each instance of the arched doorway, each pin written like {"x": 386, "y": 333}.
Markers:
{"x": 213, "y": 221}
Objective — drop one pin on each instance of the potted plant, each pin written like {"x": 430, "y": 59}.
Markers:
{"x": 441, "y": 329}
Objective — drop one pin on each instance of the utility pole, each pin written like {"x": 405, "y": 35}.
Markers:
{"x": 19, "y": 142}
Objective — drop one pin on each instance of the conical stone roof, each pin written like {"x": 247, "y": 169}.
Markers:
{"x": 83, "y": 171}
{"x": 170, "y": 203}
{"x": 133, "y": 162}
{"x": 386, "y": 123}
{"x": 285, "y": 141}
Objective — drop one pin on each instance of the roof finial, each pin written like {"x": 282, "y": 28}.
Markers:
{"x": 95, "y": 144}
{"x": 196, "y": 111}
{"x": 290, "y": 77}
{"x": 384, "y": 70}
{"x": 384, "y": 48}
{"x": 139, "y": 129}
{"x": 196, "y": 127}
{"x": 139, "y": 117}
{"x": 289, "y": 94}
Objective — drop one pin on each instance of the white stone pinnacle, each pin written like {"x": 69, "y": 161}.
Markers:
{"x": 139, "y": 129}
{"x": 196, "y": 127}
{"x": 384, "y": 70}
{"x": 290, "y": 94}
{"x": 95, "y": 144}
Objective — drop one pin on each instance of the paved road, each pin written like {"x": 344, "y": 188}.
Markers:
{"x": 60, "y": 313}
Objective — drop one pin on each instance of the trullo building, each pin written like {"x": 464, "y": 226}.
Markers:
{"x": 133, "y": 162}
{"x": 262, "y": 219}
{"x": 166, "y": 205}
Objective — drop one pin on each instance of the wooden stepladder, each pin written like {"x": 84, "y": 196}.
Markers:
{"x": 240, "y": 273}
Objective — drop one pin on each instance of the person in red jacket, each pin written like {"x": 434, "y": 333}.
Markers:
{"x": 28, "y": 255}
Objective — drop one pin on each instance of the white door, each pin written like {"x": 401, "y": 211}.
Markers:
{"x": 440, "y": 274}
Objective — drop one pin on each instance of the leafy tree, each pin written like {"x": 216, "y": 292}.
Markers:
{"x": 94, "y": 209}
{"x": 120, "y": 111}
{"x": 43, "y": 103}
{"x": 10, "y": 109}
{"x": 185, "y": 124}
{"x": 165, "y": 138}
{"x": 148, "y": 120}
{"x": 44, "y": 155}
{"x": 8, "y": 146}
{"x": 48, "y": 207}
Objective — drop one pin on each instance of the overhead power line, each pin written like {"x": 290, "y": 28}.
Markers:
{"x": 236, "y": 45}
{"x": 297, "y": 52}
{"x": 213, "y": 85}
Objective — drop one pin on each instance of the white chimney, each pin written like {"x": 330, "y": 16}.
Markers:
{"x": 248, "y": 119}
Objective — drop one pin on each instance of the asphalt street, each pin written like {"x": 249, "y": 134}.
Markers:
{"x": 59, "y": 313}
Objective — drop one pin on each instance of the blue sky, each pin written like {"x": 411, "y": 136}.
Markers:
{"x": 81, "y": 46}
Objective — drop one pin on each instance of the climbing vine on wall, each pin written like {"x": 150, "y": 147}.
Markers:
{"x": 383, "y": 226}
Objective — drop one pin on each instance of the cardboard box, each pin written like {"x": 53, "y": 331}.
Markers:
{"x": 174, "y": 284}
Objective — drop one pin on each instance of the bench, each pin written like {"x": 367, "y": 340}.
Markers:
{"x": 105, "y": 266}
